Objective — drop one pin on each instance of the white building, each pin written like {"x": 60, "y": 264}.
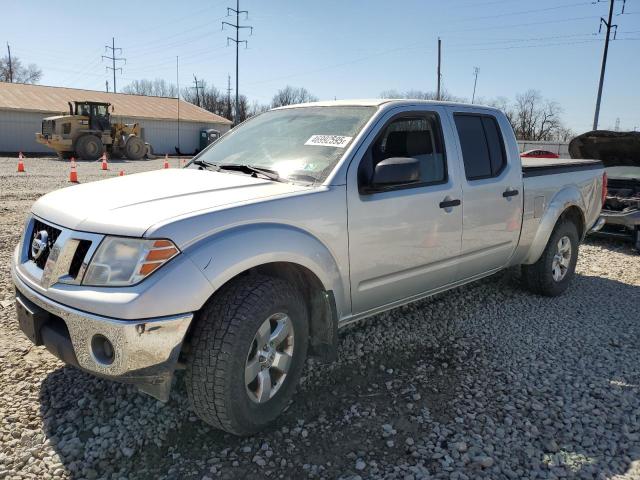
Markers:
{"x": 163, "y": 120}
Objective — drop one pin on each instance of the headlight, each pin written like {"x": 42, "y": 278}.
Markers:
{"x": 123, "y": 261}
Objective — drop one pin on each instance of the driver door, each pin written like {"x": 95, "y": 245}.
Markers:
{"x": 404, "y": 241}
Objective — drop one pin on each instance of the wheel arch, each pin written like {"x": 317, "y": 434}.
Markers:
{"x": 566, "y": 204}
{"x": 283, "y": 252}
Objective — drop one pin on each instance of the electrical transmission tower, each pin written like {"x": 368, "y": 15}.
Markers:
{"x": 607, "y": 23}
{"x": 237, "y": 41}
{"x": 113, "y": 59}
{"x": 199, "y": 87}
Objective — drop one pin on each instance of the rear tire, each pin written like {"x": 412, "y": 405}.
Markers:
{"x": 554, "y": 270}
{"x": 135, "y": 148}
{"x": 235, "y": 381}
{"x": 89, "y": 147}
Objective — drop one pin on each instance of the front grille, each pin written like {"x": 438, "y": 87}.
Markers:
{"x": 47, "y": 127}
{"x": 78, "y": 258}
{"x": 52, "y": 236}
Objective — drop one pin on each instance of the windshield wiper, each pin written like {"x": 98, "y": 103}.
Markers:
{"x": 202, "y": 163}
{"x": 270, "y": 174}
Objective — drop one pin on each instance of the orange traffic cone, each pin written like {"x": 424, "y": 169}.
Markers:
{"x": 166, "y": 160}
{"x": 121, "y": 173}
{"x": 73, "y": 162}
{"x": 73, "y": 175}
{"x": 104, "y": 161}
{"x": 20, "y": 163}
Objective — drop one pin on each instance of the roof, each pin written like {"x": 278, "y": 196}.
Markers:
{"x": 45, "y": 99}
{"x": 377, "y": 102}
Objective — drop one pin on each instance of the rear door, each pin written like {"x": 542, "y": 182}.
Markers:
{"x": 404, "y": 241}
{"x": 491, "y": 191}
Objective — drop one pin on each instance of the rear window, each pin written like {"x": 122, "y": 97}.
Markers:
{"x": 482, "y": 146}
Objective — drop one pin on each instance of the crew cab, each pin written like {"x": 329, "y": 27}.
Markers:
{"x": 298, "y": 222}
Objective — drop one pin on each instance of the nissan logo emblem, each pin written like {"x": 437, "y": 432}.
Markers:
{"x": 39, "y": 244}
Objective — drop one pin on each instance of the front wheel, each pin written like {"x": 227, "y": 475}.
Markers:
{"x": 248, "y": 350}
{"x": 554, "y": 270}
{"x": 135, "y": 148}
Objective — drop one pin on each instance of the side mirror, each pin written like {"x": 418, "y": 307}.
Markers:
{"x": 396, "y": 171}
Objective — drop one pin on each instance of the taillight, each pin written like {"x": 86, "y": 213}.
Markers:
{"x": 604, "y": 187}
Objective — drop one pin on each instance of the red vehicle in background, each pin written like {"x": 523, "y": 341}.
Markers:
{"x": 539, "y": 154}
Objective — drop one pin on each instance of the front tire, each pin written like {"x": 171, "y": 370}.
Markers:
{"x": 89, "y": 147}
{"x": 248, "y": 349}
{"x": 135, "y": 148}
{"x": 554, "y": 270}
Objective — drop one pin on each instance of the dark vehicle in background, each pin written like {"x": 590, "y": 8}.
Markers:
{"x": 620, "y": 154}
{"x": 539, "y": 154}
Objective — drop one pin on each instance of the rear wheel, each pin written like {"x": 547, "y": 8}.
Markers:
{"x": 89, "y": 147}
{"x": 552, "y": 273}
{"x": 248, "y": 349}
{"x": 135, "y": 148}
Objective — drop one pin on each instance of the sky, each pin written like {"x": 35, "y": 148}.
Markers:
{"x": 346, "y": 49}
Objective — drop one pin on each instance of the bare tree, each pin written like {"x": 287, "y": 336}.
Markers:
{"x": 156, "y": 88}
{"x": 291, "y": 95}
{"x": 256, "y": 108}
{"x": 18, "y": 73}
{"x": 421, "y": 95}
{"x": 535, "y": 118}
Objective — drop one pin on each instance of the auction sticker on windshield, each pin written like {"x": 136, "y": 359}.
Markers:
{"x": 329, "y": 140}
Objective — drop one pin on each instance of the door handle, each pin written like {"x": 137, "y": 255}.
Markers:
{"x": 510, "y": 193}
{"x": 450, "y": 203}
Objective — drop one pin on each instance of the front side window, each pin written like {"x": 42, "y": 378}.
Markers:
{"x": 483, "y": 151}
{"x": 418, "y": 137}
{"x": 303, "y": 143}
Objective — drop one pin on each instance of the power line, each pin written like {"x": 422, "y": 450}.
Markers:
{"x": 114, "y": 59}
{"x": 237, "y": 41}
{"x": 609, "y": 26}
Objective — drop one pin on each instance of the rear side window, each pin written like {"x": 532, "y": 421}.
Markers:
{"x": 482, "y": 147}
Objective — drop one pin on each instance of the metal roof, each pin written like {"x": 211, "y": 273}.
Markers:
{"x": 45, "y": 99}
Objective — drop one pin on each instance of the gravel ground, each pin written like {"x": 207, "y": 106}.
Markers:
{"x": 486, "y": 381}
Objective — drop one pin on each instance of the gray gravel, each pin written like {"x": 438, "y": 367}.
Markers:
{"x": 486, "y": 381}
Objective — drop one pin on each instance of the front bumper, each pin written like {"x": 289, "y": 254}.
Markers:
{"x": 624, "y": 225}
{"x": 145, "y": 352}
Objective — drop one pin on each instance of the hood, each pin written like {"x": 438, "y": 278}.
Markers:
{"x": 614, "y": 149}
{"x": 131, "y": 204}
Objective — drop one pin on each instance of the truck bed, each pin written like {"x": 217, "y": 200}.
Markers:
{"x": 533, "y": 167}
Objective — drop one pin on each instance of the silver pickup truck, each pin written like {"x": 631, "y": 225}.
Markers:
{"x": 292, "y": 225}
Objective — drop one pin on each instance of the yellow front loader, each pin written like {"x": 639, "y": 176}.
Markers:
{"x": 87, "y": 132}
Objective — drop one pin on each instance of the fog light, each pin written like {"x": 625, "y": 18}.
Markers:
{"x": 102, "y": 349}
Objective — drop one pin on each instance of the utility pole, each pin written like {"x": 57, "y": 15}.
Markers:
{"x": 237, "y": 41}
{"x": 229, "y": 96}
{"x": 113, "y": 59}
{"x": 439, "y": 74}
{"x": 476, "y": 70}
{"x": 617, "y": 127}
{"x": 609, "y": 26}
{"x": 198, "y": 87}
{"x": 178, "y": 98}
{"x": 10, "y": 64}
{"x": 106, "y": 84}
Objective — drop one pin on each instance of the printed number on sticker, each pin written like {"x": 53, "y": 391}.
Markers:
{"x": 329, "y": 140}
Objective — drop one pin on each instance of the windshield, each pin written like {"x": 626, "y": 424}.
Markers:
{"x": 303, "y": 143}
